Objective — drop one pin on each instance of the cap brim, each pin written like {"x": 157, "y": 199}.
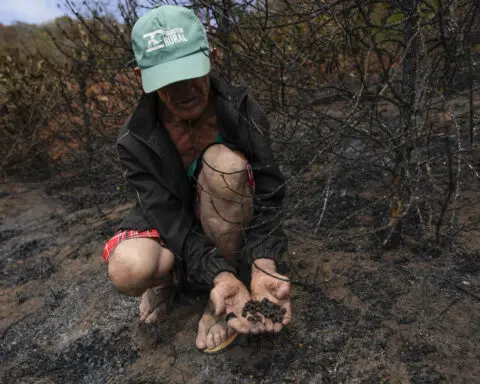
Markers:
{"x": 184, "y": 68}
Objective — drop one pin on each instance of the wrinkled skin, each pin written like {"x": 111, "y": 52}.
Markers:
{"x": 186, "y": 100}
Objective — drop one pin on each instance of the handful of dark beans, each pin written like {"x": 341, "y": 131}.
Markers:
{"x": 253, "y": 309}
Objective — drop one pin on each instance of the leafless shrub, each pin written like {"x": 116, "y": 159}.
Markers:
{"x": 374, "y": 105}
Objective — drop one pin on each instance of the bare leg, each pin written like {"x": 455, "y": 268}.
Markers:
{"x": 226, "y": 203}
{"x": 226, "y": 206}
{"x": 141, "y": 267}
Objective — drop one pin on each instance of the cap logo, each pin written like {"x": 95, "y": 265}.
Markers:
{"x": 165, "y": 38}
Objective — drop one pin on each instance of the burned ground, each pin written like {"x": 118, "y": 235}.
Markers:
{"x": 361, "y": 315}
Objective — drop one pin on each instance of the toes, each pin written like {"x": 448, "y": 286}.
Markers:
{"x": 210, "y": 340}
{"x": 145, "y": 310}
{"x": 212, "y": 331}
{"x": 153, "y": 304}
{"x": 153, "y": 317}
{"x": 202, "y": 336}
{"x": 219, "y": 335}
{"x": 222, "y": 335}
{"x": 146, "y": 304}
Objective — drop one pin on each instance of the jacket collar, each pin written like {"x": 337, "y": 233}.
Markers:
{"x": 145, "y": 116}
{"x": 145, "y": 124}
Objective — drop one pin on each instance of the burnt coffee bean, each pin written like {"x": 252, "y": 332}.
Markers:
{"x": 266, "y": 308}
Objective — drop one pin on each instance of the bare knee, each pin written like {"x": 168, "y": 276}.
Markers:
{"x": 227, "y": 204}
{"x": 224, "y": 171}
{"x": 138, "y": 264}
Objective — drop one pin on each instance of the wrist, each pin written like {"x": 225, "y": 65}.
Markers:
{"x": 264, "y": 264}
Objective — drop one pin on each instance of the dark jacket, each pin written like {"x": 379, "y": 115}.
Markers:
{"x": 153, "y": 167}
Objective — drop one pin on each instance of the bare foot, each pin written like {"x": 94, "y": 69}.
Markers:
{"x": 212, "y": 331}
{"x": 154, "y": 303}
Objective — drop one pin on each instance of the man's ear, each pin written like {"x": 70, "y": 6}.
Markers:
{"x": 138, "y": 72}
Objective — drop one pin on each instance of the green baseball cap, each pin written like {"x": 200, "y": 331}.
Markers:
{"x": 170, "y": 45}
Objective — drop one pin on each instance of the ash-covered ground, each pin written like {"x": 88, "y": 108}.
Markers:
{"x": 361, "y": 314}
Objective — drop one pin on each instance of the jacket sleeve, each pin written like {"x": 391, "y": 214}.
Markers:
{"x": 265, "y": 237}
{"x": 164, "y": 211}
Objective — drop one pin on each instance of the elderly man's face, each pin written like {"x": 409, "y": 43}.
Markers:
{"x": 186, "y": 99}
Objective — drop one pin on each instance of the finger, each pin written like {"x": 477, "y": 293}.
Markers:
{"x": 254, "y": 328}
{"x": 202, "y": 336}
{"x": 269, "y": 326}
{"x": 282, "y": 290}
{"x": 261, "y": 327}
{"x": 288, "y": 315}
{"x": 239, "y": 325}
{"x": 218, "y": 302}
{"x": 277, "y": 327}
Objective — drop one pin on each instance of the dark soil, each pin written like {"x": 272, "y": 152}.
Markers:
{"x": 361, "y": 315}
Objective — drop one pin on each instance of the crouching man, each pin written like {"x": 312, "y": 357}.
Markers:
{"x": 196, "y": 152}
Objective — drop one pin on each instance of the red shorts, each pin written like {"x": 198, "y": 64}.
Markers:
{"x": 126, "y": 235}
{"x": 153, "y": 233}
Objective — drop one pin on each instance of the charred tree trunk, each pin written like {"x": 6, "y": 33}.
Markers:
{"x": 408, "y": 116}
{"x": 224, "y": 26}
